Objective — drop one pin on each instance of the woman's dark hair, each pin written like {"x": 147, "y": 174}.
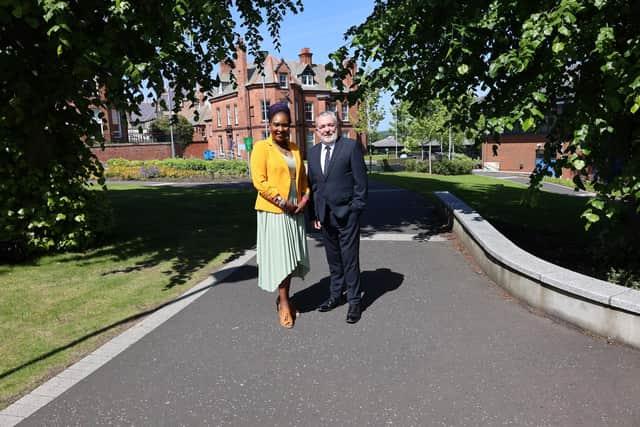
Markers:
{"x": 280, "y": 107}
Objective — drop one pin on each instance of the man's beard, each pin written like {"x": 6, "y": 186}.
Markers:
{"x": 329, "y": 139}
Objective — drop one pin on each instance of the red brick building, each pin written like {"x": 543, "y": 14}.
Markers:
{"x": 231, "y": 116}
{"x": 515, "y": 153}
{"x": 518, "y": 152}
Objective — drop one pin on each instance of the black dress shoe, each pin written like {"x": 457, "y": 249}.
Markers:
{"x": 354, "y": 313}
{"x": 330, "y": 304}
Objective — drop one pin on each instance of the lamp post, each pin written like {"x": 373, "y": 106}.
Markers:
{"x": 173, "y": 149}
{"x": 264, "y": 106}
{"x": 396, "y": 131}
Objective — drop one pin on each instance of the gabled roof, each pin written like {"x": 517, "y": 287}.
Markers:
{"x": 147, "y": 113}
{"x": 271, "y": 68}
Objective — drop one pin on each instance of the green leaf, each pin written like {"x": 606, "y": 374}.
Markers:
{"x": 539, "y": 96}
{"x": 557, "y": 47}
{"x": 61, "y": 217}
{"x": 598, "y": 204}
{"x": 463, "y": 69}
{"x": 528, "y": 123}
{"x": 591, "y": 217}
{"x": 579, "y": 164}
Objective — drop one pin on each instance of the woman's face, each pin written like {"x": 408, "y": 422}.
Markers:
{"x": 279, "y": 127}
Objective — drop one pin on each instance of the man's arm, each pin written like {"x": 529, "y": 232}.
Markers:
{"x": 361, "y": 184}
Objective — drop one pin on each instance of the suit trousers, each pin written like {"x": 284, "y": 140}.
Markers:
{"x": 342, "y": 246}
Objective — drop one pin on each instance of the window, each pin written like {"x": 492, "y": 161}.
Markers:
{"x": 283, "y": 80}
{"x": 98, "y": 119}
{"x": 220, "y": 146}
{"x": 297, "y": 105}
{"x": 331, "y": 106}
{"x": 336, "y": 80}
{"x": 308, "y": 111}
{"x": 345, "y": 112}
{"x": 218, "y": 118}
{"x": 308, "y": 140}
{"x": 265, "y": 134}
{"x": 115, "y": 120}
{"x": 228, "y": 115}
{"x": 210, "y": 130}
{"x": 265, "y": 110}
{"x": 235, "y": 112}
{"x": 345, "y": 134}
{"x": 203, "y": 131}
{"x": 307, "y": 78}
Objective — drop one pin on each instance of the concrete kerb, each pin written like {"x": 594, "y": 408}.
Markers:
{"x": 595, "y": 305}
{"x": 29, "y": 404}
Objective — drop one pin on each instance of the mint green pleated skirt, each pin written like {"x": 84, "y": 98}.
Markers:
{"x": 281, "y": 246}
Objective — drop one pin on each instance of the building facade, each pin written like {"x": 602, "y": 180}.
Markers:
{"x": 232, "y": 117}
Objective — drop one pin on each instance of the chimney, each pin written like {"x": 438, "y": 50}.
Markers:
{"x": 224, "y": 67}
{"x": 241, "y": 63}
{"x": 305, "y": 56}
{"x": 201, "y": 98}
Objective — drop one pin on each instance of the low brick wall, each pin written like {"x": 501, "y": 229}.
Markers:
{"x": 149, "y": 151}
{"x": 195, "y": 150}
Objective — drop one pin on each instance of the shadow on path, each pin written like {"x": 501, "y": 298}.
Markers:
{"x": 375, "y": 283}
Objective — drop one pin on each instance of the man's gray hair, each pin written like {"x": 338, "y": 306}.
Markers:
{"x": 330, "y": 114}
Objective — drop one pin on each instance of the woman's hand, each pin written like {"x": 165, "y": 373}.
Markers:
{"x": 301, "y": 206}
{"x": 289, "y": 207}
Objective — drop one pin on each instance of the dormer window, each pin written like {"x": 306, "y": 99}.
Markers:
{"x": 307, "y": 78}
{"x": 283, "y": 80}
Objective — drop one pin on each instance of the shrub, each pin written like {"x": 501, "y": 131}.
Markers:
{"x": 460, "y": 165}
{"x": 49, "y": 207}
{"x": 411, "y": 165}
{"x": 168, "y": 168}
{"x": 150, "y": 171}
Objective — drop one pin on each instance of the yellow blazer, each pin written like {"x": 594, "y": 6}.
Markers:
{"x": 270, "y": 175}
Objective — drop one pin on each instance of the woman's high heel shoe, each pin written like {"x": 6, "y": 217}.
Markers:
{"x": 286, "y": 319}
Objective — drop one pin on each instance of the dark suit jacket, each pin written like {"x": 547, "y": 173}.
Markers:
{"x": 344, "y": 188}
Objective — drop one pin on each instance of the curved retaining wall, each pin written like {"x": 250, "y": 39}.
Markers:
{"x": 601, "y": 307}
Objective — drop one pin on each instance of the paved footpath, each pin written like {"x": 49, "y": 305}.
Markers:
{"x": 438, "y": 345}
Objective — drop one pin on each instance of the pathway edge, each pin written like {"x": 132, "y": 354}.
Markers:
{"x": 601, "y": 307}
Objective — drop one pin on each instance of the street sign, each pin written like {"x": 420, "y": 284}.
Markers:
{"x": 248, "y": 143}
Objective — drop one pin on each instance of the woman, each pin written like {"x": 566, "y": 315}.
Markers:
{"x": 279, "y": 175}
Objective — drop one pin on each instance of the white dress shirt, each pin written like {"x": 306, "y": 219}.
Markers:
{"x": 323, "y": 153}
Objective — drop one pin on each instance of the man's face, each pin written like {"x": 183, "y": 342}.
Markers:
{"x": 327, "y": 129}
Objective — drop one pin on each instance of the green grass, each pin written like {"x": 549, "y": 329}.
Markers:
{"x": 57, "y": 308}
{"x": 499, "y": 200}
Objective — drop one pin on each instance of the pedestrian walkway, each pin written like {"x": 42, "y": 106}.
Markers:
{"x": 438, "y": 344}
{"x": 523, "y": 178}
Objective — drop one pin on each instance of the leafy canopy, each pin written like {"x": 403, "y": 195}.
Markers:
{"x": 182, "y": 128}
{"x": 63, "y": 59}
{"x": 571, "y": 64}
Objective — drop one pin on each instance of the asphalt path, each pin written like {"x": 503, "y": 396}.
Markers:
{"x": 523, "y": 179}
{"x": 438, "y": 345}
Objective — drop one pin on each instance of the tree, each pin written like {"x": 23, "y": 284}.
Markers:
{"x": 62, "y": 60}
{"x": 182, "y": 129}
{"x": 571, "y": 64}
{"x": 370, "y": 114}
{"x": 426, "y": 124}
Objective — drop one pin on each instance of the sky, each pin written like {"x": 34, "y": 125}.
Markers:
{"x": 321, "y": 27}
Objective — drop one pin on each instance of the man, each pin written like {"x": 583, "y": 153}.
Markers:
{"x": 338, "y": 179}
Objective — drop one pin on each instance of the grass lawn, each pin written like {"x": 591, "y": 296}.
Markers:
{"x": 551, "y": 229}
{"x": 58, "y": 308}
{"x": 568, "y": 183}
